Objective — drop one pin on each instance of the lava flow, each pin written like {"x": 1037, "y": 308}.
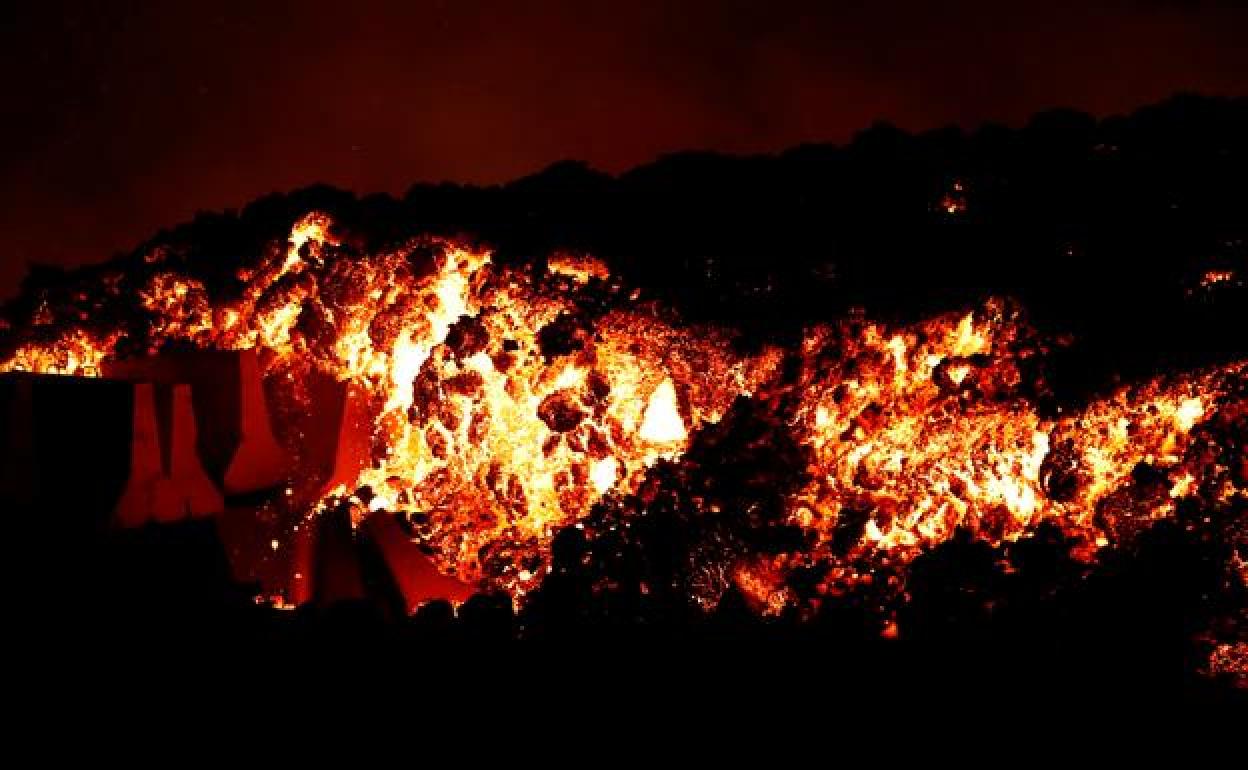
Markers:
{"x": 506, "y": 402}
{"x": 917, "y": 432}
{"x": 503, "y": 403}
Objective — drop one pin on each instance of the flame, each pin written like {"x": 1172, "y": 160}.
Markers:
{"x": 661, "y": 423}
{"x": 604, "y": 473}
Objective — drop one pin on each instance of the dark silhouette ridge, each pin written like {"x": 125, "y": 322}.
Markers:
{"x": 1100, "y": 229}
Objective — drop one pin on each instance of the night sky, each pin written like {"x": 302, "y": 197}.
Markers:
{"x": 124, "y": 117}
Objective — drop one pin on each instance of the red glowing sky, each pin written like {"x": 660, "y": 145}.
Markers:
{"x": 124, "y": 117}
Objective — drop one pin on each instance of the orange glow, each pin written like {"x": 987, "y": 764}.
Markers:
{"x": 498, "y": 411}
{"x": 1215, "y": 277}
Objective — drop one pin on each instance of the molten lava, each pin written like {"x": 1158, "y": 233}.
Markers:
{"x": 920, "y": 431}
{"x": 504, "y": 403}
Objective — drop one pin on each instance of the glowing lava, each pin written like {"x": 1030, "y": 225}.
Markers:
{"x": 503, "y": 403}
